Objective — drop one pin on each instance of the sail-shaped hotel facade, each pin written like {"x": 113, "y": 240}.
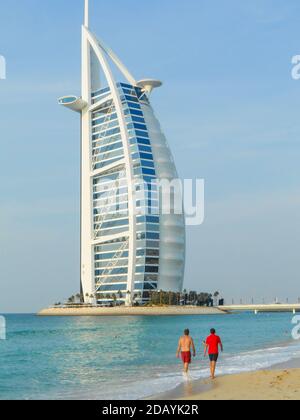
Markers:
{"x": 129, "y": 245}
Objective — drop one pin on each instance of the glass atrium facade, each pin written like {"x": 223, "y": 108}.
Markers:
{"x": 110, "y": 197}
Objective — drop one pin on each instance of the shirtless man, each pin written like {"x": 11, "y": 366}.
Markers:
{"x": 185, "y": 345}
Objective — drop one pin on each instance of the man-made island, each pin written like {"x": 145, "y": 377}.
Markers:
{"x": 131, "y": 311}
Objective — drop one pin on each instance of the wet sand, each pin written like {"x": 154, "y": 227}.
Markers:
{"x": 261, "y": 385}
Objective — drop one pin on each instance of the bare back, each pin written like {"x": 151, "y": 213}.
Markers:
{"x": 186, "y": 343}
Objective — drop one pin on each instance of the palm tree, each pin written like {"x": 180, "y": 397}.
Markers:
{"x": 71, "y": 299}
{"x": 185, "y": 296}
{"x": 114, "y": 296}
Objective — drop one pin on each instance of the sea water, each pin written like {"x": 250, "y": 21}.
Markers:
{"x": 130, "y": 357}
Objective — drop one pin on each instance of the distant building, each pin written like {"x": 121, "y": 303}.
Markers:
{"x": 128, "y": 247}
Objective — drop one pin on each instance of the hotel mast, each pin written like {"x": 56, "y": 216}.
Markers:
{"x": 128, "y": 246}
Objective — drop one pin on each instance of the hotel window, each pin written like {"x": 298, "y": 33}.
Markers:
{"x": 134, "y": 105}
{"x": 103, "y": 164}
{"x": 100, "y": 92}
{"x": 144, "y": 149}
{"x": 152, "y": 244}
{"x": 103, "y": 128}
{"x": 108, "y": 154}
{"x": 140, "y": 133}
{"x": 150, "y": 269}
{"x": 148, "y": 171}
{"x": 115, "y": 223}
{"x": 140, "y": 269}
{"x": 152, "y": 261}
{"x": 150, "y": 235}
{"x": 103, "y": 119}
{"x": 152, "y": 253}
{"x": 114, "y": 271}
{"x": 109, "y": 255}
{"x": 134, "y": 112}
{"x": 153, "y": 228}
{"x": 125, "y": 85}
{"x": 138, "y": 120}
{"x": 150, "y": 286}
{"x": 109, "y": 232}
{"x": 147, "y": 164}
{"x": 111, "y": 287}
{"x": 146, "y": 156}
{"x": 111, "y": 147}
{"x": 143, "y": 141}
{"x": 104, "y": 264}
{"x": 112, "y": 279}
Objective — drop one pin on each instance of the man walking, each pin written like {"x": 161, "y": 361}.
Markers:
{"x": 212, "y": 344}
{"x": 185, "y": 346}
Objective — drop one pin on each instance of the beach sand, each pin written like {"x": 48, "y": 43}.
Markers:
{"x": 260, "y": 385}
{"x": 135, "y": 311}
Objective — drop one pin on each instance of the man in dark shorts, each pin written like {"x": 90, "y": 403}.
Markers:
{"x": 185, "y": 345}
{"x": 212, "y": 344}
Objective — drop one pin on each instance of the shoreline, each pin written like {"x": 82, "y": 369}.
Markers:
{"x": 264, "y": 385}
{"x": 132, "y": 311}
{"x": 279, "y": 382}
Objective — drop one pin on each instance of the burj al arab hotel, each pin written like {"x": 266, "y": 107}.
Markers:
{"x": 129, "y": 246}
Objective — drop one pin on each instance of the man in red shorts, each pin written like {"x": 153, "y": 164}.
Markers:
{"x": 212, "y": 344}
{"x": 185, "y": 345}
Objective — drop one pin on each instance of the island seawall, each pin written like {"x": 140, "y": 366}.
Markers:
{"x": 132, "y": 311}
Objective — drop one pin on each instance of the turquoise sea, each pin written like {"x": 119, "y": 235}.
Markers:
{"x": 130, "y": 357}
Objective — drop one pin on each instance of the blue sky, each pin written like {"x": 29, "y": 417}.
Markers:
{"x": 229, "y": 108}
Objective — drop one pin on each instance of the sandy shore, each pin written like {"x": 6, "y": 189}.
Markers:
{"x": 261, "y": 385}
{"x": 136, "y": 311}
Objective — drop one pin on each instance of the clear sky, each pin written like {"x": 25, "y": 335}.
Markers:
{"x": 229, "y": 108}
